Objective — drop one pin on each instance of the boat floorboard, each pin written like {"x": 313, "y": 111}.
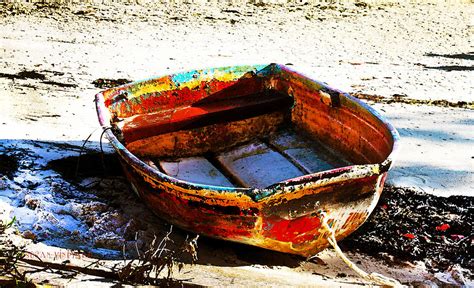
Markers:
{"x": 258, "y": 164}
{"x": 310, "y": 156}
{"x": 195, "y": 169}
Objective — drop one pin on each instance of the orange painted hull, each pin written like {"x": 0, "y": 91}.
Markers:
{"x": 285, "y": 216}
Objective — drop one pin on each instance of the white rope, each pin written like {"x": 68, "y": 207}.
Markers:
{"x": 372, "y": 277}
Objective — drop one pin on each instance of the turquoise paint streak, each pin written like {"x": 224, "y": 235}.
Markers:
{"x": 184, "y": 77}
{"x": 237, "y": 70}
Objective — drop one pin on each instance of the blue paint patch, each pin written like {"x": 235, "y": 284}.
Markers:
{"x": 184, "y": 77}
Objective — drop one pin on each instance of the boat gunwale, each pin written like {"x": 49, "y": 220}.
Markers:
{"x": 389, "y": 160}
{"x": 314, "y": 180}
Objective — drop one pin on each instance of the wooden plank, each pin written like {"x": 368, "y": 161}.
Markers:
{"x": 203, "y": 114}
{"x": 195, "y": 169}
{"x": 256, "y": 165}
{"x": 308, "y": 155}
{"x": 218, "y": 137}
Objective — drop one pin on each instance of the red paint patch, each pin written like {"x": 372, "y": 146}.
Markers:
{"x": 291, "y": 230}
{"x": 163, "y": 100}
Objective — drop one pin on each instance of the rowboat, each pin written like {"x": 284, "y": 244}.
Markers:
{"x": 251, "y": 154}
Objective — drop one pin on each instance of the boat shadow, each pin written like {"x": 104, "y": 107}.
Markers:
{"x": 224, "y": 253}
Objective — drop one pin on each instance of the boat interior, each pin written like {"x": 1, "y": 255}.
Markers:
{"x": 259, "y": 163}
{"x": 253, "y": 132}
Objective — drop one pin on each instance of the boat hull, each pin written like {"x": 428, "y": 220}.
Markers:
{"x": 286, "y": 216}
{"x": 281, "y": 224}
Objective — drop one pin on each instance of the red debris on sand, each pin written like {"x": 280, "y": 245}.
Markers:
{"x": 443, "y": 227}
{"x": 457, "y": 237}
{"x": 409, "y": 236}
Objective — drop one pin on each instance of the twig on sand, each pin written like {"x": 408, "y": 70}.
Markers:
{"x": 73, "y": 268}
{"x": 157, "y": 259}
{"x": 63, "y": 146}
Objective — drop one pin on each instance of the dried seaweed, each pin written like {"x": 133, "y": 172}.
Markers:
{"x": 397, "y": 98}
{"x": 410, "y": 226}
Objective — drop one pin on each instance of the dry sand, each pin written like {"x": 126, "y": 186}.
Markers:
{"x": 422, "y": 51}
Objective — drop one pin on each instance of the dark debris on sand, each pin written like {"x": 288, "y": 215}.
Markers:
{"x": 92, "y": 164}
{"x": 11, "y": 159}
{"x": 8, "y": 165}
{"x": 109, "y": 83}
{"x": 411, "y": 226}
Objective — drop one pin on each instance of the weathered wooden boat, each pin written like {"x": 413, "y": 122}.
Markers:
{"x": 252, "y": 154}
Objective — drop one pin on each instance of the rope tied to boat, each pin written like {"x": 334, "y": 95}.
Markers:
{"x": 372, "y": 277}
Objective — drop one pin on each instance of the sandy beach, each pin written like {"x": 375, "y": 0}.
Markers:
{"x": 50, "y": 57}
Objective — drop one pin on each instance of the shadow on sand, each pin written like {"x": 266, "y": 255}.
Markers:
{"x": 94, "y": 183}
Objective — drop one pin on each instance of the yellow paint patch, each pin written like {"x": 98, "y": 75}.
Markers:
{"x": 152, "y": 86}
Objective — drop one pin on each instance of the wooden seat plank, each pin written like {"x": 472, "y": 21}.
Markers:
{"x": 203, "y": 114}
